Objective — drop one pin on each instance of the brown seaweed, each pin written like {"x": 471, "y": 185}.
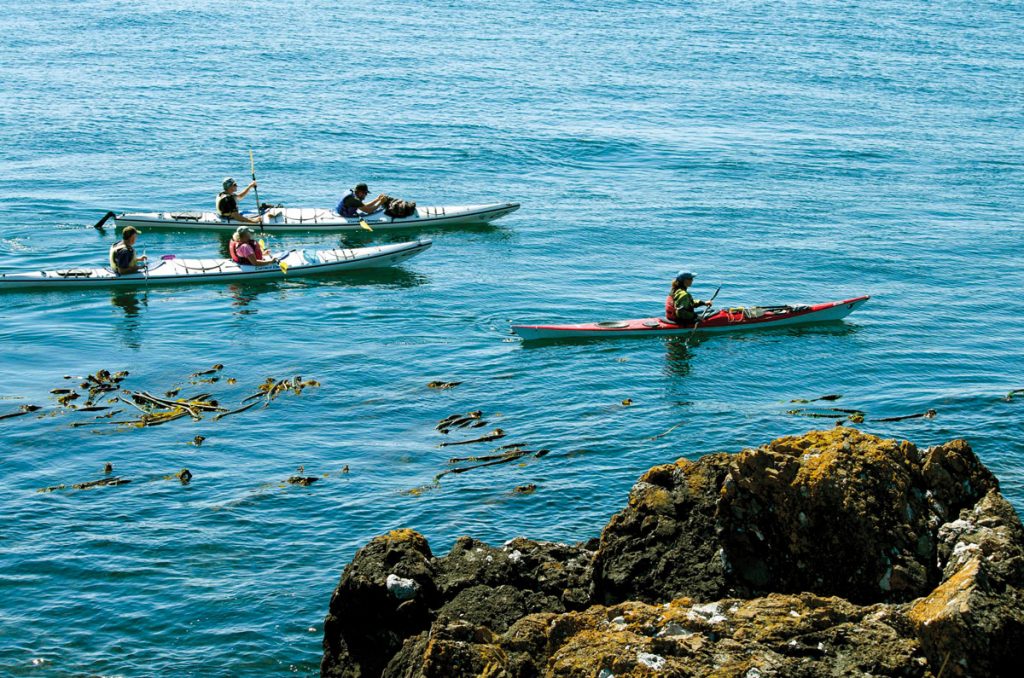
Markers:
{"x": 240, "y": 409}
{"x": 667, "y": 431}
{"x": 928, "y": 414}
{"x": 443, "y": 385}
{"x": 1014, "y": 392}
{"x": 525, "y": 489}
{"x": 213, "y": 370}
{"x": 305, "y": 481}
{"x": 24, "y": 409}
{"x": 493, "y": 435}
{"x": 804, "y": 401}
{"x": 102, "y": 482}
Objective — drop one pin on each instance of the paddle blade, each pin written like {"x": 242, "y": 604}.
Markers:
{"x": 99, "y": 224}
{"x": 252, "y": 164}
{"x": 168, "y": 257}
{"x": 284, "y": 267}
{"x": 362, "y": 222}
{"x": 263, "y": 245}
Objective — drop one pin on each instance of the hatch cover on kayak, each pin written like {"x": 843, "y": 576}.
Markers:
{"x": 614, "y": 324}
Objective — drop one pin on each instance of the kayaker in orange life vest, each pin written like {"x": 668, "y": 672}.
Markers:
{"x": 680, "y": 303}
{"x": 244, "y": 250}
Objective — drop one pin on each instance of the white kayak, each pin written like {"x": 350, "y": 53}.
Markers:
{"x": 172, "y": 270}
{"x": 282, "y": 219}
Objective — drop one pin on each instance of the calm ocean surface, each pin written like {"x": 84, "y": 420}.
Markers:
{"x": 790, "y": 152}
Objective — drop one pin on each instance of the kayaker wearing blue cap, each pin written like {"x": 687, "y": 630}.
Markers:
{"x": 351, "y": 204}
{"x": 227, "y": 201}
{"x": 680, "y": 303}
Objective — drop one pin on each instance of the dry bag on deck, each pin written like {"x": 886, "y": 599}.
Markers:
{"x": 396, "y": 208}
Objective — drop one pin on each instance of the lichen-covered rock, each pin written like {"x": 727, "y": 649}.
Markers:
{"x": 835, "y": 512}
{"x": 974, "y": 620}
{"x": 834, "y": 553}
{"x": 802, "y": 636}
{"x": 394, "y": 590}
{"x": 664, "y": 544}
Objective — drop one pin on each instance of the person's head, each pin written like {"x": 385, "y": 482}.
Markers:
{"x": 682, "y": 280}
{"x": 129, "y": 234}
{"x": 361, "y": 191}
{"x": 243, "y": 234}
{"x": 229, "y": 185}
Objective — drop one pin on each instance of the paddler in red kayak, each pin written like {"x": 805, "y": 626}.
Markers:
{"x": 680, "y": 303}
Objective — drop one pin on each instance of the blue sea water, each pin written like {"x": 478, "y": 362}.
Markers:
{"x": 787, "y": 151}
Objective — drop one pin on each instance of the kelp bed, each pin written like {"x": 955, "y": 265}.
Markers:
{"x": 103, "y": 392}
{"x": 849, "y": 415}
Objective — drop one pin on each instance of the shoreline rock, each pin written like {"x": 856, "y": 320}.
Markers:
{"x": 830, "y": 553}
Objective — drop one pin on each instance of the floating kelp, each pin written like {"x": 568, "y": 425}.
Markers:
{"x": 667, "y": 431}
{"x": 108, "y": 468}
{"x": 271, "y": 388}
{"x": 198, "y": 440}
{"x": 305, "y": 481}
{"x": 102, "y": 382}
{"x": 816, "y": 415}
{"x": 928, "y": 414}
{"x": 525, "y": 489}
{"x": 213, "y": 370}
{"x": 1014, "y": 392}
{"x": 493, "y": 435}
{"x": 803, "y": 401}
{"x": 184, "y": 476}
{"x": 23, "y": 410}
{"x": 509, "y": 456}
{"x": 461, "y": 421}
{"x": 627, "y": 402}
{"x": 102, "y": 482}
{"x": 67, "y": 398}
{"x": 443, "y": 385}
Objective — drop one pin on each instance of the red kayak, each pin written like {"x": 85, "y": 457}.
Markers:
{"x": 725, "y": 320}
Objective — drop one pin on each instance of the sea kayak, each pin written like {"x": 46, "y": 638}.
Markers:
{"x": 283, "y": 219}
{"x": 725, "y": 320}
{"x": 172, "y": 270}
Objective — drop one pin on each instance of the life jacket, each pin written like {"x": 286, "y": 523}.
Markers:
{"x": 670, "y": 308}
{"x": 233, "y": 251}
{"x": 220, "y": 198}
{"x": 680, "y": 315}
{"x": 116, "y": 248}
{"x": 345, "y": 211}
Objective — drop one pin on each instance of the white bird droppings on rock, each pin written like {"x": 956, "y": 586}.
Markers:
{"x": 794, "y": 613}
{"x": 708, "y": 613}
{"x": 402, "y": 589}
{"x": 515, "y": 556}
{"x": 673, "y": 629}
{"x": 606, "y": 673}
{"x": 752, "y": 672}
{"x": 651, "y": 661}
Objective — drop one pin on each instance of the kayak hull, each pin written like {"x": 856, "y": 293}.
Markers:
{"x": 727, "y": 320}
{"x": 303, "y": 219}
{"x": 299, "y": 264}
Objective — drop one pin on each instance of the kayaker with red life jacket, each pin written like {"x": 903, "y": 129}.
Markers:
{"x": 680, "y": 303}
{"x": 244, "y": 250}
{"x": 122, "y": 253}
{"x": 351, "y": 204}
{"x": 227, "y": 201}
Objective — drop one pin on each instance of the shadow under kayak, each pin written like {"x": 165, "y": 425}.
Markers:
{"x": 297, "y": 264}
{"x": 725, "y": 320}
{"x": 283, "y": 219}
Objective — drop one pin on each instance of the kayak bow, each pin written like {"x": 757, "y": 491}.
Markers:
{"x": 725, "y": 320}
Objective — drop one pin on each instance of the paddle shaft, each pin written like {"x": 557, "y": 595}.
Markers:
{"x": 256, "y": 191}
{"x": 696, "y": 323}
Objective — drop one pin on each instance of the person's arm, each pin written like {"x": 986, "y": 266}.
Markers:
{"x": 252, "y": 185}
{"x": 373, "y": 205}
{"x": 238, "y": 216}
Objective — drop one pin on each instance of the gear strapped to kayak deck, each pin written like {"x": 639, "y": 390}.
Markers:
{"x": 726, "y": 320}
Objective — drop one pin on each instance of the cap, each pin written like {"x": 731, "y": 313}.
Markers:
{"x": 228, "y": 182}
{"x": 243, "y": 230}
{"x": 361, "y": 187}
{"x": 684, "y": 275}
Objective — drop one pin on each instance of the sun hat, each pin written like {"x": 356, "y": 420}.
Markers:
{"x": 243, "y": 230}
{"x": 361, "y": 187}
{"x": 228, "y": 183}
{"x": 684, "y": 275}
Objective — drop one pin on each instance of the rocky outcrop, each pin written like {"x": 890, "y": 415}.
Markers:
{"x": 832, "y": 553}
